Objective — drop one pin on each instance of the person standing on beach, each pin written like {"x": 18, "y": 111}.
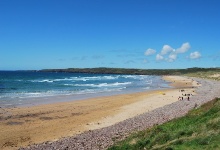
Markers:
{"x": 188, "y": 98}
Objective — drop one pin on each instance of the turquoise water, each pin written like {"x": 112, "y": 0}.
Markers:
{"x": 17, "y": 86}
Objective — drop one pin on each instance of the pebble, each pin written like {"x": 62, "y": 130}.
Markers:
{"x": 101, "y": 139}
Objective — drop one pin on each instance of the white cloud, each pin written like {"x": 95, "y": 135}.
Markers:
{"x": 159, "y": 57}
{"x": 184, "y": 48}
{"x": 170, "y": 54}
{"x": 150, "y": 51}
{"x": 166, "y": 49}
{"x": 195, "y": 55}
{"x": 172, "y": 57}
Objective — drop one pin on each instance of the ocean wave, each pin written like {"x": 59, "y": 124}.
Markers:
{"x": 130, "y": 76}
{"x": 41, "y": 85}
{"x": 19, "y": 80}
{"x": 104, "y": 84}
{"x": 32, "y": 93}
{"x": 69, "y": 84}
{"x": 95, "y": 78}
{"x": 146, "y": 88}
{"x": 136, "y": 77}
{"x": 149, "y": 82}
{"x": 111, "y": 77}
{"x": 65, "y": 79}
{"x": 45, "y": 80}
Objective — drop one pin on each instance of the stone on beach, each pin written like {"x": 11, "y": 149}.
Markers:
{"x": 105, "y": 137}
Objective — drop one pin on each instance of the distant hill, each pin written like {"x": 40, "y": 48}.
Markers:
{"x": 133, "y": 71}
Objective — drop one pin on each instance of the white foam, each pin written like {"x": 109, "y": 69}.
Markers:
{"x": 45, "y": 80}
{"x": 118, "y": 83}
{"x": 68, "y": 85}
{"x": 110, "y": 77}
{"x": 66, "y": 79}
{"x": 36, "y": 93}
{"x": 104, "y": 84}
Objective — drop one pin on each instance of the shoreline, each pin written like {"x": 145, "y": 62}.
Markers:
{"x": 47, "y": 100}
{"x": 105, "y": 137}
{"x": 28, "y": 125}
{"x": 44, "y": 100}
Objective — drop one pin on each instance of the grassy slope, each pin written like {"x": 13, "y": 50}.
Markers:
{"x": 205, "y": 74}
{"x": 199, "y": 129}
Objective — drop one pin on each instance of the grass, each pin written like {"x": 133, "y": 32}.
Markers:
{"x": 211, "y": 74}
{"x": 199, "y": 129}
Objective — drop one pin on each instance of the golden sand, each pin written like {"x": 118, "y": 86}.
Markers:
{"x": 28, "y": 125}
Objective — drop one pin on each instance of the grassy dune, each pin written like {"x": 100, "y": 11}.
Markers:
{"x": 199, "y": 129}
{"x": 214, "y": 75}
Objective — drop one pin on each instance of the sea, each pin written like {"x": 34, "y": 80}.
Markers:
{"x": 25, "y": 88}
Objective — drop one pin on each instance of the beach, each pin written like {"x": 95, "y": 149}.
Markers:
{"x": 23, "y": 126}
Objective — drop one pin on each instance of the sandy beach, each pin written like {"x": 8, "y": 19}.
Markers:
{"x": 23, "y": 126}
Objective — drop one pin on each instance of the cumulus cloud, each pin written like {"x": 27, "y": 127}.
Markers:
{"x": 195, "y": 55}
{"x": 159, "y": 57}
{"x": 170, "y": 54}
{"x": 166, "y": 49}
{"x": 184, "y": 48}
{"x": 174, "y": 53}
{"x": 150, "y": 51}
{"x": 172, "y": 57}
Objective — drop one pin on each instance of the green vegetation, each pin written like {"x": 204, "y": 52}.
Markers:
{"x": 189, "y": 71}
{"x": 210, "y": 74}
{"x": 199, "y": 129}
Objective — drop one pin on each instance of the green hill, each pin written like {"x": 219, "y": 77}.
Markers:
{"x": 135, "y": 71}
{"x": 199, "y": 129}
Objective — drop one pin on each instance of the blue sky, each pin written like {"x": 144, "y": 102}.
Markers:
{"x": 147, "y": 34}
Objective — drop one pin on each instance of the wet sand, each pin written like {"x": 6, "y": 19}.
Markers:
{"x": 30, "y": 125}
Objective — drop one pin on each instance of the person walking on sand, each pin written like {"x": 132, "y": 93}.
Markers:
{"x": 188, "y": 98}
